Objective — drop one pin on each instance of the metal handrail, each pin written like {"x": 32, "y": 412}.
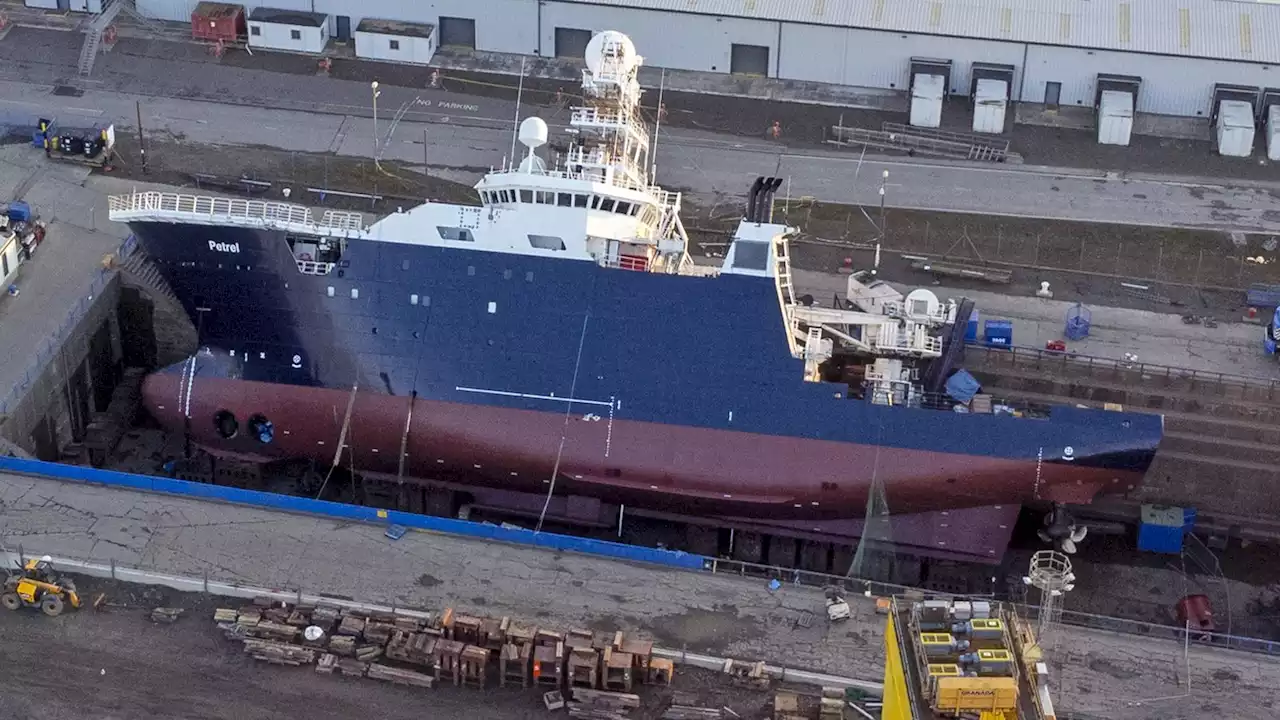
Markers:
{"x": 1092, "y": 362}
{"x": 153, "y": 201}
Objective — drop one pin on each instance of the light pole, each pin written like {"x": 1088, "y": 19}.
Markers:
{"x": 374, "y": 85}
{"x": 884, "y": 181}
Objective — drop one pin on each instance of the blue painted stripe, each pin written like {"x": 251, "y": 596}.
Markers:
{"x": 324, "y": 508}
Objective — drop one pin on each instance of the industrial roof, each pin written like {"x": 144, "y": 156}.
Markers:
{"x": 1219, "y": 29}
{"x": 288, "y": 17}
{"x": 396, "y": 27}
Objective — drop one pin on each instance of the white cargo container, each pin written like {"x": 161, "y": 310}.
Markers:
{"x": 926, "y": 100}
{"x": 990, "y": 103}
{"x": 1273, "y": 132}
{"x": 1115, "y": 117}
{"x": 1235, "y": 128}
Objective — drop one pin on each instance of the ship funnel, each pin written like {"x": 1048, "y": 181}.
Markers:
{"x": 764, "y": 209}
{"x": 753, "y": 199}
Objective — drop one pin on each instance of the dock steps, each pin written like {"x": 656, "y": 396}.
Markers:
{"x": 927, "y": 142}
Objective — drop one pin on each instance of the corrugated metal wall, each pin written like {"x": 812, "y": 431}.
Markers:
{"x": 689, "y": 42}
{"x": 1170, "y": 85}
{"x": 865, "y": 58}
{"x": 843, "y": 56}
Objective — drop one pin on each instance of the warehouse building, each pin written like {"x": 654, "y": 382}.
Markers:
{"x": 1053, "y": 51}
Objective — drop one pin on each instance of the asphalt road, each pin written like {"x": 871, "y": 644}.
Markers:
{"x": 191, "y": 98}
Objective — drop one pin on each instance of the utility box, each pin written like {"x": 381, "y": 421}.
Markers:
{"x": 998, "y": 333}
{"x": 990, "y": 104}
{"x": 1161, "y": 528}
{"x": 1115, "y": 117}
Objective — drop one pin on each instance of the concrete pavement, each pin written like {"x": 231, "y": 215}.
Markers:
{"x": 1156, "y": 338}
{"x": 1103, "y": 674}
{"x": 301, "y": 111}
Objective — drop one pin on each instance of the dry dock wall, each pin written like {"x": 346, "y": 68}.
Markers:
{"x": 72, "y": 375}
{"x": 287, "y": 503}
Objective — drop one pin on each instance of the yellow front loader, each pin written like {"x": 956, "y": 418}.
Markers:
{"x": 39, "y": 586}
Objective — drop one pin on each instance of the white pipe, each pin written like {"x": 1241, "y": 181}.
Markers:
{"x": 189, "y": 584}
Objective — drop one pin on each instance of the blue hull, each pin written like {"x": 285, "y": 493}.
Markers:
{"x": 506, "y": 332}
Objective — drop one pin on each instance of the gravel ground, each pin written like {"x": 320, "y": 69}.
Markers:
{"x": 115, "y": 664}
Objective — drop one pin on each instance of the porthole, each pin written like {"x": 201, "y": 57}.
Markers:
{"x": 261, "y": 428}
{"x": 224, "y": 421}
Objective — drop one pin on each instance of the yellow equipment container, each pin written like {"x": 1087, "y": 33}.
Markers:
{"x": 975, "y": 694}
{"x": 937, "y": 644}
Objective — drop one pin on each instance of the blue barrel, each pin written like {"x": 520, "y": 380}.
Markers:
{"x": 1079, "y": 318}
{"x": 998, "y": 333}
{"x": 971, "y": 330}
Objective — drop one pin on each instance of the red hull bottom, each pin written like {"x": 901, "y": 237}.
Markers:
{"x": 686, "y": 470}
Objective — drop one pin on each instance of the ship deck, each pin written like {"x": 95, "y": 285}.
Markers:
{"x": 1101, "y": 674}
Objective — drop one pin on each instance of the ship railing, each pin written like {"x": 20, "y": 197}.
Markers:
{"x": 944, "y": 402}
{"x": 314, "y": 267}
{"x": 207, "y": 209}
{"x": 1070, "y": 365}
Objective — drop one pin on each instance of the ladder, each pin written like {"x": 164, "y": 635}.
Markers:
{"x": 786, "y": 293}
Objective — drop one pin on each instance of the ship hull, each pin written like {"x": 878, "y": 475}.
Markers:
{"x": 702, "y": 471}
{"x": 669, "y": 392}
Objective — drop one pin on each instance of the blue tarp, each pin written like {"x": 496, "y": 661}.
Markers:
{"x": 962, "y": 386}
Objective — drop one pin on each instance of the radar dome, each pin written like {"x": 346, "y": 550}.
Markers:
{"x": 533, "y": 133}
{"x": 921, "y": 303}
{"x": 615, "y": 42}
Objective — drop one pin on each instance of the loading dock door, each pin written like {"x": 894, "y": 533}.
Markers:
{"x": 1235, "y": 128}
{"x": 457, "y": 32}
{"x": 1115, "y": 117}
{"x": 990, "y": 103}
{"x": 749, "y": 60}
{"x": 571, "y": 43}
{"x": 1273, "y": 132}
{"x": 926, "y": 100}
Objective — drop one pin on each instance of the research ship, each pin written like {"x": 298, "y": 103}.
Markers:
{"x": 558, "y": 339}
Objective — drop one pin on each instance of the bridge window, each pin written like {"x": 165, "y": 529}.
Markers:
{"x": 580, "y": 201}
{"x": 545, "y": 198}
{"x": 455, "y": 233}
{"x": 526, "y": 196}
{"x": 595, "y": 202}
{"x": 750, "y": 255}
{"x": 564, "y": 200}
{"x": 623, "y": 208}
{"x": 607, "y": 205}
{"x": 546, "y": 242}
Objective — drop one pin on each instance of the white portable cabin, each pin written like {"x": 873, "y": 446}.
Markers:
{"x": 990, "y": 104}
{"x": 1273, "y": 132}
{"x": 291, "y": 30}
{"x": 927, "y": 92}
{"x": 1115, "y": 117}
{"x": 394, "y": 41}
{"x": 1235, "y": 128}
